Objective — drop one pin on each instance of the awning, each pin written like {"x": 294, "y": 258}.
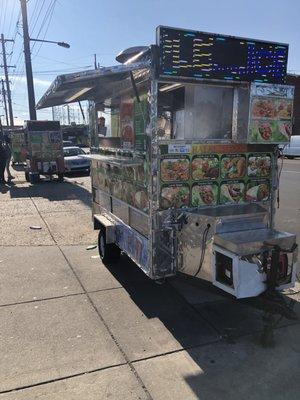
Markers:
{"x": 87, "y": 85}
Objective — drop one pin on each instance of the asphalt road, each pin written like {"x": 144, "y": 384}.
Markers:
{"x": 288, "y": 214}
{"x": 72, "y": 328}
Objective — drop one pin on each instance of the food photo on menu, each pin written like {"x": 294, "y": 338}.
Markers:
{"x": 175, "y": 196}
{"x": 205, "y": 167}
{"x": 258, "y": 191}
{"x": 284, "y": 108}
{"x": 174, "y": 169}
{"x": 264, "y": 108}
{"x": 270, "y": 131}
{"x": 259, "y": 165}
{"x": 233, "y": 166}
{"x": 232, "y": 192}
{"x": 205, "y": 194}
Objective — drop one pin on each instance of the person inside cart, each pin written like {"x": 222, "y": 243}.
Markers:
{"x": 7, "y": 142}
{"x": 101, "y": 127}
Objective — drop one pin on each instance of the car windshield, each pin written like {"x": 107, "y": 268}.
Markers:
{"x": 73, "y": 151}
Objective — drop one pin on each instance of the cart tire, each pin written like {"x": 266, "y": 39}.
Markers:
{"x": 108, "y": 252}
{"x": 27, "y": 176}
{"x": 60, "y": 177}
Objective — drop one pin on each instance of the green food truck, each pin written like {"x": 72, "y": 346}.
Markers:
{"x": 44, "y": 145}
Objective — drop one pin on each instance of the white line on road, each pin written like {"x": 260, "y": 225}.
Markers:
{"x": 293, "y": 172}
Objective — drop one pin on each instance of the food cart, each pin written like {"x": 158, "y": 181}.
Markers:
{"x": 44, "y": 145}
{"x": 185, "y": 137}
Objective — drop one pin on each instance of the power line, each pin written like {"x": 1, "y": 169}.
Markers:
{"x": 44, "y": 21}
{"x": 11, "y": 18}
{"x": 47, "y": 28}
{"x": 38, "y": 16}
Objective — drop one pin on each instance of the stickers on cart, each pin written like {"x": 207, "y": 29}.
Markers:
{"x": 259, "y": 165}
{"x": 175, "y": 196}
{"x": 205, "y": 167}
{"x": 205, "y": 194}
{"x": 174, "y": 169}
{"x": 134, "y": 244}
{"x": 258, "y": 190}
{"x": 232, "y": 192}
{"x": 126, "y": 123}
{"x": 179, "y": 148}
{"x": 233, "y": 166}
{"x": 135, "y": 196}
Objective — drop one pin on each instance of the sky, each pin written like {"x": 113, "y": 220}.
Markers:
{"x": 107, "y": 27}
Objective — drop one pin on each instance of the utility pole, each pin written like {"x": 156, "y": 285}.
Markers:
{"x": 27, "y": 56}
{"x": 5, "y": 66}
{"x": 4, "y": 101}
{"x": 95, "y": 61}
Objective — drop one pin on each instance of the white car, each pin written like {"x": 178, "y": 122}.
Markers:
{"x": 75, "y": 160}
{"x": 292, "y": 149}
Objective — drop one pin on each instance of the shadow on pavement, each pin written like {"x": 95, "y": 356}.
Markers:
{"x": 223, "y": 322}
{"x": 53, "y": 191}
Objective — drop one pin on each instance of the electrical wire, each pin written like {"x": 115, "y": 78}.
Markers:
{"x": 203, "y": 248}
{"x": 11, "y": 18}
{"x": 38, "y": 16}
{"x": 281, "y": 157}
{"x": 47, "y": 28}
{"x": 44, "y": 21}
{"x": 3, "y": 14}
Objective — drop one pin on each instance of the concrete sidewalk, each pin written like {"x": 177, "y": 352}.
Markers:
{"x": 72, "y": 328}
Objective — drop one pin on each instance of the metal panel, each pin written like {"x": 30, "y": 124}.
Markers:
{"x": 104, "y": 199}
{"x": 139, "y": 221}
{"x": 254, "y": 241}
{"x": 121, "y": 210}
{"x": 197, "y": 235}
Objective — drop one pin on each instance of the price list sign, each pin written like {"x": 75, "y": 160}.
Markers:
{"x": 192, "y": 54}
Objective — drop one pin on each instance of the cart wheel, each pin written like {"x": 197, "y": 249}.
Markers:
{"x": 27, "y": 176}
{"x": 60, "y": 177}
{"x": 107, "y": 252}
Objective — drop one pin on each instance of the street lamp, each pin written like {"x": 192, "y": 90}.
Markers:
{"x": 61, "y": 44}
{"x": 27, "y": 56}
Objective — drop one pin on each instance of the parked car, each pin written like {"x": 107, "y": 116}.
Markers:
{"x": 292, "y": 150}
{"x": 74, "y": 160}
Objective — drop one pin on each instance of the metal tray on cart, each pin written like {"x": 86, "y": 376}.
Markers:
{"x": 254, "y": 241}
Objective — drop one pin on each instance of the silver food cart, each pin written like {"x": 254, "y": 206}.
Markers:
{"x": 185, "y": 143}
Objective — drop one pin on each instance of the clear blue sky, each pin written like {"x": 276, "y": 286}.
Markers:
{"x": 106, "y": 27}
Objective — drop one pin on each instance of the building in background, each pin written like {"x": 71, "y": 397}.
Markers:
{"x": 293, "y": 79}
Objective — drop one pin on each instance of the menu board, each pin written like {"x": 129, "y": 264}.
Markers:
{"x": 214, "y": 178}
{"x": 271, "y": 114}
{"x": 194, "y": 54}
